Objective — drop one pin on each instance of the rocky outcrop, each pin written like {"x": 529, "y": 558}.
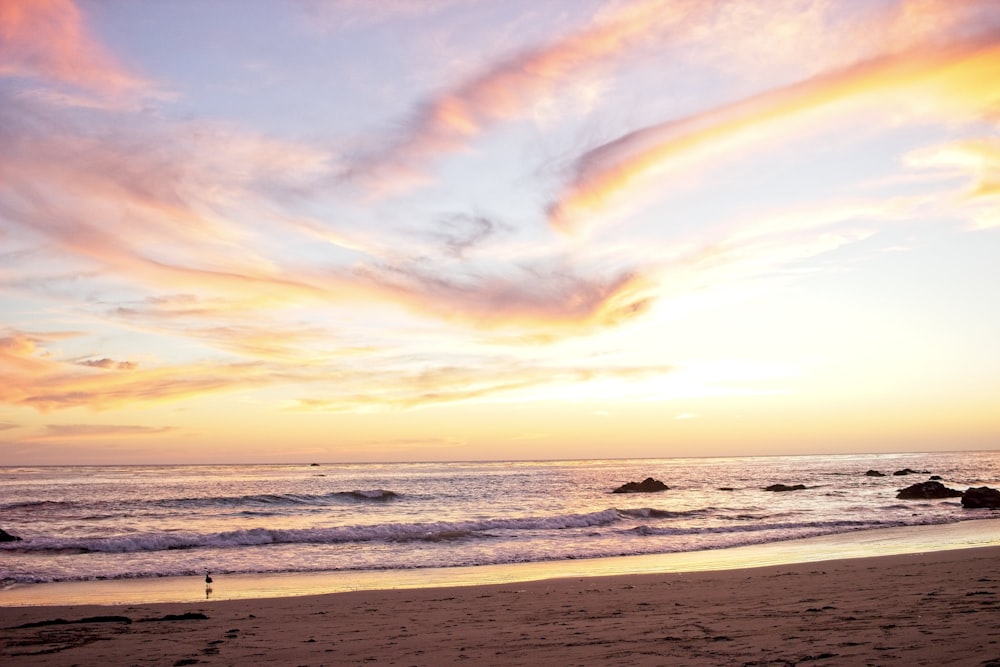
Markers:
{"x": 784, "y": 487}
{"x": 874, "y": 473}
{"x": 908, "y": 471}
{"x": 7, "y": 537}
{"x": 981, "y": 498}
{"x": 648, "y": 485}
{"x": 927, "y": 491}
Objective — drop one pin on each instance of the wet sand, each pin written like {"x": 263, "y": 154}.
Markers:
{"x": 915, "y": 609}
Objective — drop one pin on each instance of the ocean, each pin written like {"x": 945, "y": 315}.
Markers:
{"x": 81, "y": 523}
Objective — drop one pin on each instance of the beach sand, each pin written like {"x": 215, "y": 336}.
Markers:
{"x": 940, "y": 608}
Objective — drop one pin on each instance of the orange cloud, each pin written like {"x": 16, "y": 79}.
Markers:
{"x": 98, "y": 431}
{"x": 449, "y": 384}
{"x": 33, "y": 377}
{"x": 20, "y": 351}
{"x": 943, "y": 81}
{"x": 975, "y": 159}
{"x": 49, "y": 39}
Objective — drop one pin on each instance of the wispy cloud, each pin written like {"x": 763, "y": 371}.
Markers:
{"x": 449, "y": 121}
{"x": 49, "y": 39}
{"x": 548, "y": 294}
{"x": 99, "y": 431}
{"x": 977, "y": 161}
{"x": 37, "y": 378}
{"x": 172, "y": 216}
{"x": 218, "y": 243}
{"x": 109, "y": 364}
{"x": 454, "y": 384}
{"x": 945, "y": 81}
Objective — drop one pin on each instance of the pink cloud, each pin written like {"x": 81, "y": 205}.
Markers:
{"x": 49, "y": 39}
{"x": 449, "y": 121}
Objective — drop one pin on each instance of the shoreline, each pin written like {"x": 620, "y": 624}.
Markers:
{"x": 849, "y": 545}
{"x": 911, "y": 609}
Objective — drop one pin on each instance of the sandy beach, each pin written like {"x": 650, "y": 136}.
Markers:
{"x": 914, "y": 609}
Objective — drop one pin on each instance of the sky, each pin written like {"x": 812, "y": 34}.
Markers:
{"x": 395, "y": 230}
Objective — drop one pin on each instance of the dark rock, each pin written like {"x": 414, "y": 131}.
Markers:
{"x": 927, "y": 491}
{"x": 106, "y": 619}
{"x": 313, "y": 465}
{"x": 981, "y": 498}
{"x": 908, "y": 471}
{"x": 42, "y": 624}
{"x": 186, "y": 616}
{"x": 785, "y": 487}
{"x": 648, "y": 485}
{"x": 936, "y": 478}
{"x": 726, "y": 488}
{"x": 874, "y": 473}
{"x": 7, "y": 537}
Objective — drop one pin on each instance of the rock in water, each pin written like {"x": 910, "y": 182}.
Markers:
{"x": 981, "y": 498}
{"x": 927, "y": 491}
{"x": 648, "y": 485}
{"x": 7, "y": 537}
{"x": 785, "y": 487}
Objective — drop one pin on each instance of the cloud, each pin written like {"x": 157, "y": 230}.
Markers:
{"x": 462, "y": 232}
{"x": 449, "y": 121}
{"x": 771, "y": 241}
{"x": 161, "y": 209}
{"x": 975, "y": 160}
{"x": 99, "y": 431}
{"x": 157, "y": 205}
{"x": 110, "y": 364}
{"x": 944, "y": 82}
{"x": 299, "y": 346}
{"x": 550, "y": 294}
{"x": 37, "y": 378}
{"x": 453, "y": 384}
{"x": 49, "y": 39}
{"x": 25, "y": 352}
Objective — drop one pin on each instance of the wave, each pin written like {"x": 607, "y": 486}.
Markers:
{"x": 255, "y": 501}
{"x": 652, "y": 513}
{"x": 440, "y": 531}
{"x": 832, "y": 526}
{"x": 614, "y": 543}
{"x": 393, "y": 532}
{"x": 282, "y": 499}
{"x": 652, "y": 523}
{"x": 35, "y": 505}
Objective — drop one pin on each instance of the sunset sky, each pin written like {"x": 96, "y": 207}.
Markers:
{"x": 393, "y": 230}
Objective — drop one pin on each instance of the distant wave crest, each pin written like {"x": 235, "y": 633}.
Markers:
{"x": 392, "y": 532}
{"x": 283, "y": 499}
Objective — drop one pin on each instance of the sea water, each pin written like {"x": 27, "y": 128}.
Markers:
{"x": 81, "y": 523}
